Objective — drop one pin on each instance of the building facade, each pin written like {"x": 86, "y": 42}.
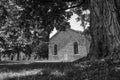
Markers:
{"x": 68, "y": 46}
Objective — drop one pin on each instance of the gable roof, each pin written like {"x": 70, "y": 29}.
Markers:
{"x": 80, "y": 32}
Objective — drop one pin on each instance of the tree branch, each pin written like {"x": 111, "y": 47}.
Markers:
{"x": 78, "y": 5}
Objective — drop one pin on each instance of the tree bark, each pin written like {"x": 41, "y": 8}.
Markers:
{"x": 104, "y": 29}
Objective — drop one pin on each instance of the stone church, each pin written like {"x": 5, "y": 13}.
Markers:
{"x": 68, "y": 46}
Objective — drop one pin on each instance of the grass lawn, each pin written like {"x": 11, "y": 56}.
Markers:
{"x": 98, "y": 70}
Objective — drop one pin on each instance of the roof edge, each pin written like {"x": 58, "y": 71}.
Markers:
{"x": 63, "y": 31}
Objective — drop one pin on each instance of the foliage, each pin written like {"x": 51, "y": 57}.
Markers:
{"x": 26, "y": 24}
{"x": 52, "y": 13}
{"x": 9, "y": 28}
{"x": 15, "y": 37}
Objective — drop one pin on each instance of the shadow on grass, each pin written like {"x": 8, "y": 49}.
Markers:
{"x": 99, "y": 70}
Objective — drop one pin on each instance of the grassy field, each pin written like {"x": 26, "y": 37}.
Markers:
{"x": 98, "y": 70}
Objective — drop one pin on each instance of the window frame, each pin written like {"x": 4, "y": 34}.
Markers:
{"x": 75, "y": 45}
{"x": 55, "y": 49}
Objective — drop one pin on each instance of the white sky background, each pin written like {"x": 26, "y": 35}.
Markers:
{"x": 73, "y": 23}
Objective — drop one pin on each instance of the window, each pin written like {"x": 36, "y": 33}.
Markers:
{"x": 75, "y": 48}
{"x": 55, "y": 49}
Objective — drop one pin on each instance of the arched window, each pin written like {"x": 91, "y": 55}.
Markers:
{"x": 75, "y": 48}
{"x": 55, "y": 49}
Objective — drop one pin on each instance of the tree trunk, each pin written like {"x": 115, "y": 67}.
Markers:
{"x": 104, "y": 29}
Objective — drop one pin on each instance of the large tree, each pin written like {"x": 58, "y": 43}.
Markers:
{"x": 15, "y": 37}
{"x": 104, "y": 28}
{"x": 9, "y": 29}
